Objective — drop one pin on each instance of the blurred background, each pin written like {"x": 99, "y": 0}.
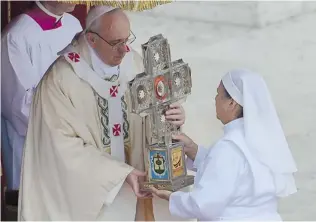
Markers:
{"x": 275, "y": 39}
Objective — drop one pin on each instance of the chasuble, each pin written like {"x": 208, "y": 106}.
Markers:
{"x": 82, "y": 143}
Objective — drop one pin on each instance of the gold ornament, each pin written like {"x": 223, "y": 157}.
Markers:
{"x": 132, "y": 5}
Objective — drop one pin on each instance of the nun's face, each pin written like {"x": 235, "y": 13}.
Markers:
{"x": 221, "y": 103}
{"x": 226, "y": 108}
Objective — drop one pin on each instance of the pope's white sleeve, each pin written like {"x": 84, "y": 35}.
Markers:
{"x": 18, "y": 82}
{"x": 217, "y": 182}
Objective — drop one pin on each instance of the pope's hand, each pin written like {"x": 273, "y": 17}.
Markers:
{"x": 190, "y": 148}
{"x": 175, "y": 114}
{"x": 133, "y": 180}
{"x": 163, "y": 194}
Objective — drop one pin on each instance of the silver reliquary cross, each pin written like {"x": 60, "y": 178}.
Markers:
{"x": 163, "y": 82}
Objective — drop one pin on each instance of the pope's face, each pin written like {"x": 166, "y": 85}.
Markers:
{"x": 109, "y": 41}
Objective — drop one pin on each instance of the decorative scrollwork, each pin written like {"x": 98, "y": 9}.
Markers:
{"x": 104, "y": 117}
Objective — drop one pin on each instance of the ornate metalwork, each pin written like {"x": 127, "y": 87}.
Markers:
{"x": 163, "y": 82}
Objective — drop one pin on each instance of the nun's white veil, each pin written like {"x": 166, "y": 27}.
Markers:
{"x": 262, "y": 129}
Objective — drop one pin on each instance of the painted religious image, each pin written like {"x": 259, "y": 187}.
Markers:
{"x": 164, "y": 82}
{"x": 177, "y": 162}
{"x": 158, "y": 165}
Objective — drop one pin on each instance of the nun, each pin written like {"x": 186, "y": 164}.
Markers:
{"x": 243, "y": 175}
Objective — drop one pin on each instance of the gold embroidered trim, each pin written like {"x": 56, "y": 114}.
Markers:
{"x": 131, "y": 5}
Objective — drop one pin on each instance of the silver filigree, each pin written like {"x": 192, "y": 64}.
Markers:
{"x": 163, "y": 82}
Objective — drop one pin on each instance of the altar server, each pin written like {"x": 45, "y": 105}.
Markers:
{"x": 30, "y": 45}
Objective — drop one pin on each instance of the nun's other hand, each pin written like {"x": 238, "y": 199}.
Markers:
{"x": 190, "y": 147}
{"x": 175, "y": 114}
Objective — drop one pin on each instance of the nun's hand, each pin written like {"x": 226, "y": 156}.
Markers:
{"x": 190, "y": 147}
{"x": 163, "y": 194}
{"x": 175, "y": 114}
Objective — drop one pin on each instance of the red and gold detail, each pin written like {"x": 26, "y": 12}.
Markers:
{"x": 161, "y": 87}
